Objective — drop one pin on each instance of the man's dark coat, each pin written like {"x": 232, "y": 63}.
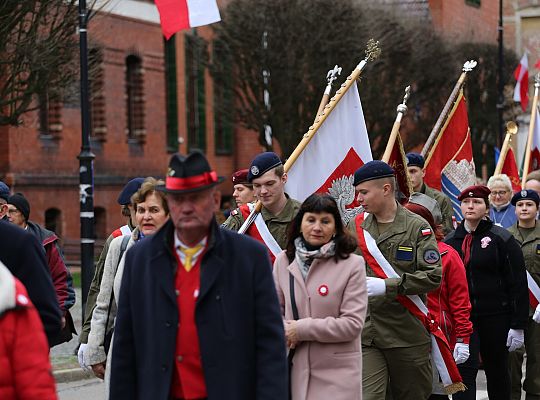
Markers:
{"x": 237, "y": 316}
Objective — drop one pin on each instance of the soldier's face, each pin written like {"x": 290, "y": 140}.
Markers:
{"x": 269, "y": 188}
{"x": 371, "y": 194}
{"x": 473, "y": 209}
{"x": 526, "y": 210}
{"x": 192, "y": 213}
{"x": 417, "y": 177}
{"x": 243, "y": 194}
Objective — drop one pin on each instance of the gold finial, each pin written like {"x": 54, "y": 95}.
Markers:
{"x": 511, "y": 127}
{"x": 373, "y": 51}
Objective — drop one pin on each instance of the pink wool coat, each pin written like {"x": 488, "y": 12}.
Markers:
{"x": 332, "y": 304}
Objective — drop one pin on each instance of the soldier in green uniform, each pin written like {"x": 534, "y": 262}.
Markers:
{"x": 527, "y": 232}
{"x": 395, "y": 344}
{"x": 278, "y": 209}
{"x": 415, "y": 166}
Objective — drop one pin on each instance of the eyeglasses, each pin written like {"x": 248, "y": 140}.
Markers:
{"x": 13, "y": 211}
{"x": 499, "y": 193}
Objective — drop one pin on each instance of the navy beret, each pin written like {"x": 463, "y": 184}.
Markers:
{"x": 372, "y": 170}
{"x": 124, "y": 198}
{"x": 415, "y": 160}
{"x": 479, "y": 191}
{"x": 4, "y": 191}
{"x": 528, "y": 194}
{"x": 264, "y": 162}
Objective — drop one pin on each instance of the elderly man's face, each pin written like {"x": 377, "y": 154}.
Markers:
{"x": 500, "y": 195}
{"x": 534, "y": 185}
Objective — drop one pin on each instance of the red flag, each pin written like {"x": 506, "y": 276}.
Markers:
{"x": 176, "y": 15}
{"x": 398, "y": 161}
{"x": 511, "y": 170}
{"x": 450, "y": 166}
{"x": 337, "y": 150}
{"x": 521, "y": 91}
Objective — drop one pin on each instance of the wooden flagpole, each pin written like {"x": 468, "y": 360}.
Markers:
{"x": 511, "y": 130}
{"x": 534, "y": 108}
{"x": 467, "y": 67}
{"x": 331, "y": 76}
{"x": 372, "y": 52}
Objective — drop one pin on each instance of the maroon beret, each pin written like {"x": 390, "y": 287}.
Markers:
{"x": 479, "y": 191}
{"x": 240, "y": 177}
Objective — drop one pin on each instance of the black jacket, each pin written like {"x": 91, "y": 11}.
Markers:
{"x": 495, "y": 273}
{"x": 24, "y": 256}
{"x": 237, "y": 315}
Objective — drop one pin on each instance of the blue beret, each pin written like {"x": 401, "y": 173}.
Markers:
{"x": 264, "y": 162}
{"x": 528, "y": 194}
{"x": 415, "y": 160}
{"x": 124, "y": 198}
{"x": 4, "y": 191}
{"x": 372, "y": 170}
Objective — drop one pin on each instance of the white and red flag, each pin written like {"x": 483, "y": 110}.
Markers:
{"x": 177, "y": 15}
{"x": 521, "y": 91}
{"x": 535, "y": 145}
{"x": 511, "y": 170}
{"x": 338, "y": 149}
{"x": 449, "y": 165}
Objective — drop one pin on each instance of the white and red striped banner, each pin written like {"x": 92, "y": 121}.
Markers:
{"x": 534, "y": 291}
{"x": 177, "y": 15}
{"x": 521, "y": 91}
{"x": 259, "y": 231}
{"x": 440, "y": 350}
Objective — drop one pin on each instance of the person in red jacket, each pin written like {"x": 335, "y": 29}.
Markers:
{"x": 449, "y": 303}
{"x": 25, "y": 370}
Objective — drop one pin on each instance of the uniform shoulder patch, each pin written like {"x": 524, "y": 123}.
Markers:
{"x": 431, "y": 256}
{"x": 426, "y": 232}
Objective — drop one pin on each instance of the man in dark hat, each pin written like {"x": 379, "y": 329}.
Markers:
{"x": 498, "y": 290}
{"x": 267, "y": 175}
{"x": 4, "y": 195}
{"x": 243, "y": 190}
{"x": 198, "y": 315}
{"x": 19, "y": 214}
{"x": 395, "y": 344}
{"x": 415, "y": 166}
{"x": 128, "y": 211}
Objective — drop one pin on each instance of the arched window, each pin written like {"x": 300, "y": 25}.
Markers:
{"x": 100, "y": 222}
{"x": 135, "y": 99}
{"x": 53, "y": 221}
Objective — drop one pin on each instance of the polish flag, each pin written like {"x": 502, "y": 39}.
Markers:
{"x": 177, "y": 15}
{"x": 521, "y": 91}
{"x": 338, "y": 149}
{"x": 511, "y": 170}
{"x": 535, "y": 145}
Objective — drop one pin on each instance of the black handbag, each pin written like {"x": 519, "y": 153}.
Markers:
{"x": 295, "y": 316}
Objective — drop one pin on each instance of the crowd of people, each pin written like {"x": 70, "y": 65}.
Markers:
{"x": 402, "y": 302}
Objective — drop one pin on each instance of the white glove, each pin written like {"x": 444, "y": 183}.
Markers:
{"x": 375, "y": 286}
{"x": 536, "y": 315}
{"x": 461, "y": 353}
{"x": 515, "y": 339}
{"x": 80, "y": 356}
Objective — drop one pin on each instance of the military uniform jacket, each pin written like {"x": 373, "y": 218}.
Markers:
{"x": 388, "y": 323}
{"x": 277, "y": 224}
{"x": 530, "y": 246}
{"x": 445, "y": 205}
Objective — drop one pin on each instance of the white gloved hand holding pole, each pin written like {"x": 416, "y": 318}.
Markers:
{"x": 515, "y": 339}
{"x": 375, "y": 286}
{"x": 80, "y": 356}
{"x": 461, "y": 353}
{"x": 536, "y": 315}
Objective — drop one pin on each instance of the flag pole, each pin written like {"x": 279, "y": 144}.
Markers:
{"x": 531, "y": 130}
{"x": 372, "y": 52}
{"x": 467, "y": 67}
{"x": 511, "y": 130}
{"x": 331, "y": 76}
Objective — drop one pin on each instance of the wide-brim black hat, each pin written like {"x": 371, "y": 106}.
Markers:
{"x": 190, "y": 173}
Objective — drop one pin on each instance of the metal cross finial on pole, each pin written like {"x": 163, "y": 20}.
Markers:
{"x": 401, "y": 110}
{"x": 331, "y": 76}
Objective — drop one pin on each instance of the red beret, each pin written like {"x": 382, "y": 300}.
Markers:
{"x": 479, "y": 191}
{"x": 240, "y": 177}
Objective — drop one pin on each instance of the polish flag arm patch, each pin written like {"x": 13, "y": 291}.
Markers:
{"x": 426, "y": 232}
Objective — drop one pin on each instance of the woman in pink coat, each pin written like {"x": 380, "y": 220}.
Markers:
{"x": 330, "y": 295}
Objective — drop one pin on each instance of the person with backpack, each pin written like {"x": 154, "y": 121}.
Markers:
{"x": 151, "y": 212}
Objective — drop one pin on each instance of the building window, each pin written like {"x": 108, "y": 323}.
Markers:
{"x": 50, "y": 117}
{"x": 223, "y": 98}
{"x": 100, "y": 222}
{"x": 475, "y": 3}
{"x": 171, "y": 91}
{"x": 98, "y": 125}
{"x": 53, "y": 221}
{"x": 195, "y": 97}
{"x": 135, "y": 100}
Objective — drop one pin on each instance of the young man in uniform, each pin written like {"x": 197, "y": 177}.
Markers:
{"x": 243, "y": 190}
{"x": 415, "y": 166}
{"x": 278, "y": 209}
{"x": 395, "y": 344}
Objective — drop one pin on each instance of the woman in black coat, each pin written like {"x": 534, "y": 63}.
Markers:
{"x": 498, "y": 292}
